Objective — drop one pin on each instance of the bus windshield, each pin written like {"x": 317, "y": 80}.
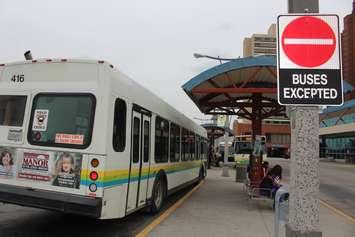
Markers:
{"x": 62, "y": 120}
{"x": 243, "y": 147}
{"x": 12, "y": 110}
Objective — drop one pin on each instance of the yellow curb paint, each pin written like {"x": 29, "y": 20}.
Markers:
{"x": 167, "y": 213}
{"x": 337, "y": 211}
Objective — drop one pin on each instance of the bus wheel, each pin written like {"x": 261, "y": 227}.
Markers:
{"x": 158, "y": 195}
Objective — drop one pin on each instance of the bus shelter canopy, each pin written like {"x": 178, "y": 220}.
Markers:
{"x": 246, "y": 87}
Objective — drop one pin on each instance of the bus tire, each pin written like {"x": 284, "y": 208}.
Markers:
{"x": 158, "y": 195}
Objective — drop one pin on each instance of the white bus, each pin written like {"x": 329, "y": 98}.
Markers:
{"x": 243, "y": 147}
{"x": 78, "y": 136}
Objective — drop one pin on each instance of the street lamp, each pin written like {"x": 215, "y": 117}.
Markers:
{"x": 225, "y": 171}
{"x": 197, "y": 55}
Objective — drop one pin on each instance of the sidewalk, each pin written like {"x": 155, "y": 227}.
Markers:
{"x": 220, "y": 208}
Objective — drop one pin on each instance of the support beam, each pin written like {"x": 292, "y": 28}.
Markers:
{"x": 255, "y": 161}
{"x": 235, "y": 90}
{"x": 238, "y": 104}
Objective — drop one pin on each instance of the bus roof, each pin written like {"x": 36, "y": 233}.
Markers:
{"x": 56, "y": 60}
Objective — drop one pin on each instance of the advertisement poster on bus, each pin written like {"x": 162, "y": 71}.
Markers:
{"x": 35, "y": 165}
{"x": 67, "y": 170}
{"x": 57, "y": 168}
{"x": 7, "y": 161}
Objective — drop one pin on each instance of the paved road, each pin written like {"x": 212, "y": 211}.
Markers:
{"x": 17, "y": 221}
{"x": 337, "y": 183}
{"x": 337, "y": 188}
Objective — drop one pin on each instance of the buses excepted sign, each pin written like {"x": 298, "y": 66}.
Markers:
{"x": 309, "y": 62}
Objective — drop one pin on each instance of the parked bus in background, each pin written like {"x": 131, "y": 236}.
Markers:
{"x": 79, "y": 136}
{"x": 243, "y": 147}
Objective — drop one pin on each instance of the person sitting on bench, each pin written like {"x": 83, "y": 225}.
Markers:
{"x": 271, "y": 182}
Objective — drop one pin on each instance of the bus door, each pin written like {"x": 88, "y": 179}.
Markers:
{"x": 140, "y": 154}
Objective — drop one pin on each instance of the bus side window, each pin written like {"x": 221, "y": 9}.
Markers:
{"x": 184, "y": 144}
{"x": 161, "y": 140}
{"x": 192, "y": 146}
{"x": 178, "y": 142}
{"x": 119, "y": 125}
{"x": 173, "y": 145}
{"x": 198, "y": 147}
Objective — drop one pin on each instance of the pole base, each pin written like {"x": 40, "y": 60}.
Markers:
{"x": 296, "y": 233}
{"x": 225, "y": 171}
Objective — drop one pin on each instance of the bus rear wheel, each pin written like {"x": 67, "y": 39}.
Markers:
{"x": 158, "y": 196}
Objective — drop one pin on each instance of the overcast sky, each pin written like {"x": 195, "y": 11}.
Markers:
{"x": 151, "y": 41}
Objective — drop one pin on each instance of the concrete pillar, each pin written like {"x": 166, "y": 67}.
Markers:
{"x": 304, "y": 167}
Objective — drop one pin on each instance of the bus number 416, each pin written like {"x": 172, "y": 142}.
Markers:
{"x": 18, "y": 78}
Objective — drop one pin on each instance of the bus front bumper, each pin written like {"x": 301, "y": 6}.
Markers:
{"x": 50, "y": 200}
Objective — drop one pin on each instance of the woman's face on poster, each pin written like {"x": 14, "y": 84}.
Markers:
{"x": 6, "y": 159}
{"x": 67, "y": 165}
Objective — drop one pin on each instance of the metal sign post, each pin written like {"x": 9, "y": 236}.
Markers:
{"x": 309, "y": 74}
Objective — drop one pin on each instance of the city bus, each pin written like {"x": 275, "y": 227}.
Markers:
{"x": 243, "y": 147}
{"x": 78, "y": 136}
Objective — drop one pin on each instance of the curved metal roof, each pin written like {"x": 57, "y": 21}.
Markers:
{"x": 230, "y": 86}
{"x": 240, "y": 63}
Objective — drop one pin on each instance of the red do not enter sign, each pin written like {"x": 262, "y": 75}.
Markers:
{"x": 308, "y": 41}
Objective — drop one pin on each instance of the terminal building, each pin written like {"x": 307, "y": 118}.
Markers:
{"x": 337, "y": 124}
{"x": 261, "y": 44}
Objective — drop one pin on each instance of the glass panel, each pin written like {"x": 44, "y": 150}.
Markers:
{"x": 177, "y": 141}
{"x": 185, "y": 147}
{"x": 192, "y": 146}
{"x": 12, "y": 110}
{"x": 119, "y": 126}
{"x": 62, "y": 120}
{"x": 172, "y": 142}
{"x": 146, "y": 141}
{"x": 161, "y": 140}
{"x": 165, "y": 141}
{"x": 136, "y": 131}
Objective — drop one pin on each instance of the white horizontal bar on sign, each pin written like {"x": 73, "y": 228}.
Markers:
{"x": 308, "y": 41}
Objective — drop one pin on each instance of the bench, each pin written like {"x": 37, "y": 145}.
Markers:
{"x": 253, "y": 192}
